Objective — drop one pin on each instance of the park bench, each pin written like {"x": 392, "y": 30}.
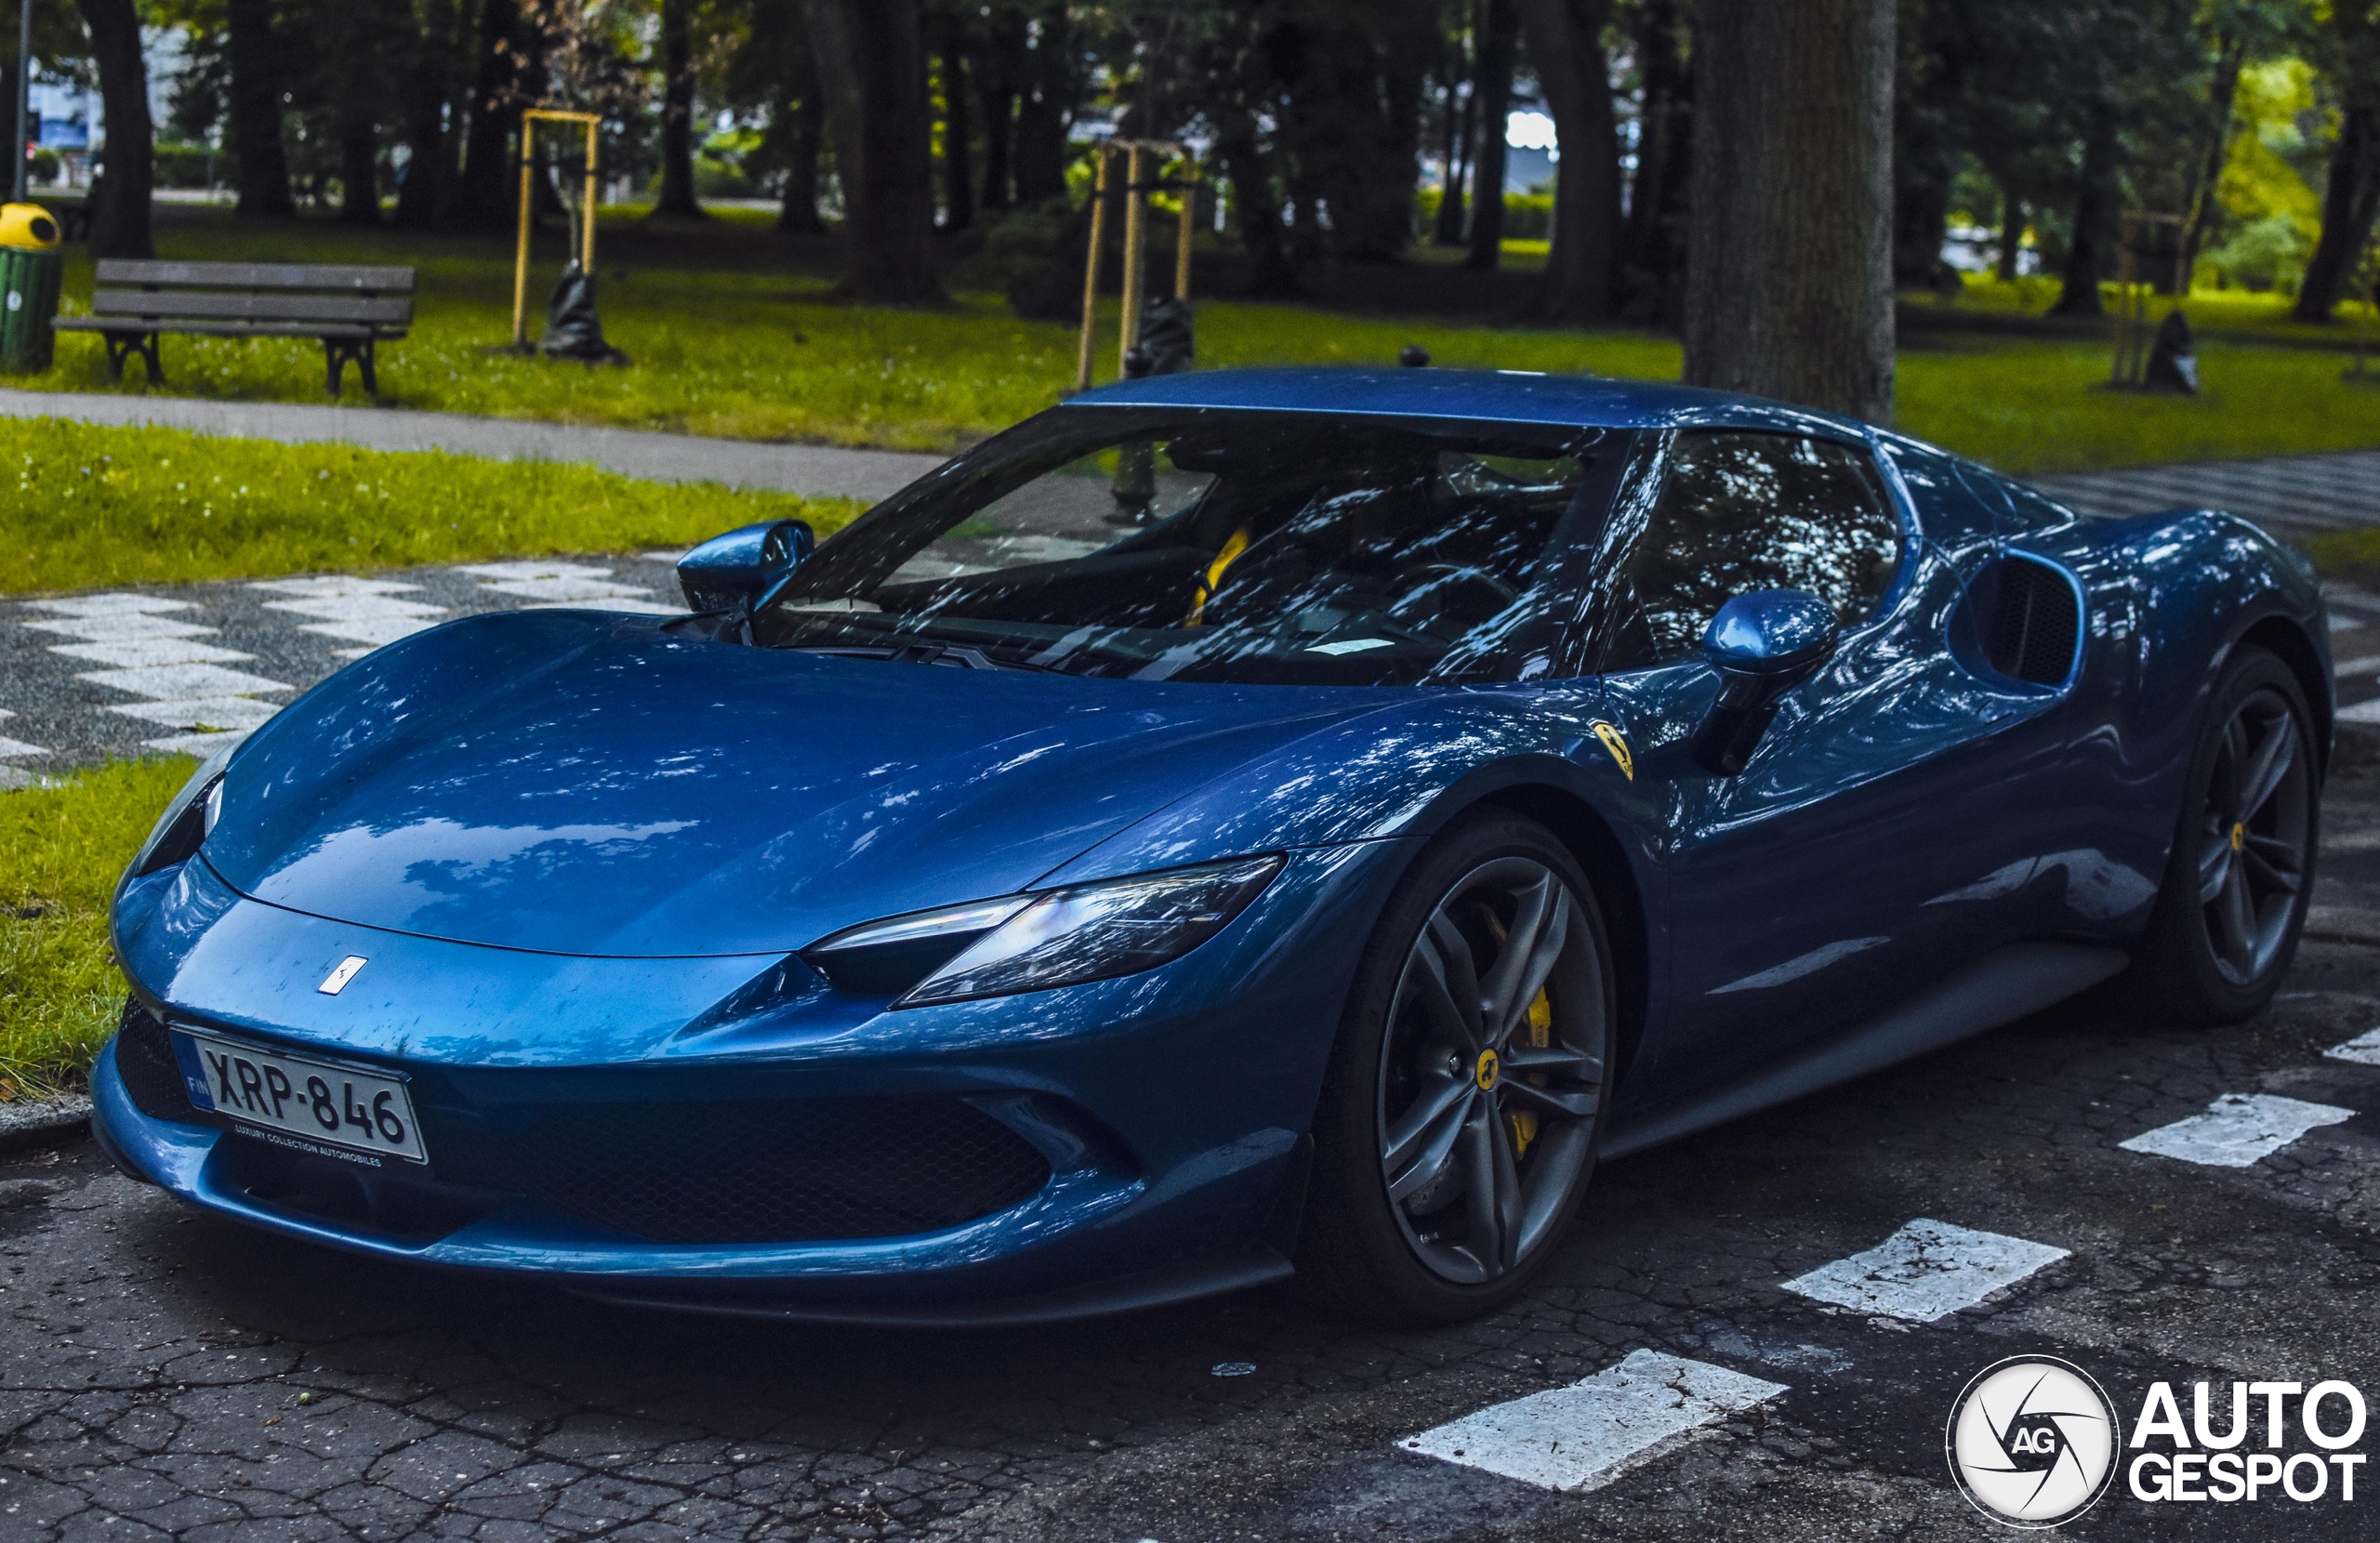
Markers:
{"x": 349, "y": 309}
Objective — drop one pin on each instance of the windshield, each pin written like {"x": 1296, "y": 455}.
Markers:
{"x": 1223, "y": 546}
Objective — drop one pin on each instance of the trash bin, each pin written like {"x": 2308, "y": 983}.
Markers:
{"x": 30, "y": 266}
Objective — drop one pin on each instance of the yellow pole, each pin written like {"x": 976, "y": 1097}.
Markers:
{"x": 587, "y": 262}
{"x": 520, "y": 252}
{"x": 1135, "y": 208}
{"x": 1189, "y": 212}
{"x": 1091, "y": 270}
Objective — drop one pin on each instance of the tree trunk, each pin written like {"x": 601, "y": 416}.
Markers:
{"x": 1449, "y": 230}
{"x": 430, "y": 155}
{"x": 1652, "y": 248}
{"x": 995, "y": 88}
{"x": 487, "y": 196}
{"x": 358, "y": 172}
{"x": 805, "y": 136}
{"x": 120, "y": 219}
{"x": 2350, "y": 202}
{"x": 958, "y": 171}
{"x": 2012, "y": 233}
{"x": 1045, "y": 106}
{"x": 873, "y": 66}
{"x": 1566, "y": 44}
{"x": 1789, "y": 265}
{"x": 677, "y": 195}
{"x": 2221, "y": 93}
{"x": 1498, "y": 38}
{"x": 2086, "y": 252}
{"x": 256, "y": 111}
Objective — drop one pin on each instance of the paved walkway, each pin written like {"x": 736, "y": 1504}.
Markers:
{"x": 815, "y": 469}
{"x": 2292, "y": 495}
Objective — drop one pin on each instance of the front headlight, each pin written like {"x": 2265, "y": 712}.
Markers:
{"x": 1031, "y": 942}
{"x": 187, "y": 820}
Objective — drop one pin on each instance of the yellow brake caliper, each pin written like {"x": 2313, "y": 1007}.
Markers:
{"x": 1540, "y": 1035}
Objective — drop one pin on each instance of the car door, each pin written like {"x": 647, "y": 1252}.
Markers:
{"x": 1812, "y": 890}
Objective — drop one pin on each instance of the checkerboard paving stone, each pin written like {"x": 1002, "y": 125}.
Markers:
{"x": 195, "y": 666}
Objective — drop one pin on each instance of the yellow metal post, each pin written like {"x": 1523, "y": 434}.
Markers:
{"x": 520, "y": 252}
{"x": 1091, "y": 270}
{"x": 1136, "y": 200}
{"x": 587, "y": 204}
{"x": 1182, "y": 247}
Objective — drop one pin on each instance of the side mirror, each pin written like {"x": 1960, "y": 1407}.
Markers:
{"x": 1762, "y": 645}
{"x": 743, "y": 569}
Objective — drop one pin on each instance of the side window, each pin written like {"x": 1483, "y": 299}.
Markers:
{"x": 1760, "y": 511}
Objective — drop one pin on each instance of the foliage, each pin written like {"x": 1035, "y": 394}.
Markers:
{"x": 63, "y": 848}
{"x": 2273, "y": 211}
{"x": 94, "y": 506}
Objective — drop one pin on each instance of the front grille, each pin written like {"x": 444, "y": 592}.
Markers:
{"x": 781, "y": 1170}
{"x": 750, "y": 1171}
{"x": 144, "y": 1058}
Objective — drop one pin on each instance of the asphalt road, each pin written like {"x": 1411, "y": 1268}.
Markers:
{"x": 164, "y": 1372}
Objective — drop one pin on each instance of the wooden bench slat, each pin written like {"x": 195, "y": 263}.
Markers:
{"x": 226, "y": 329}
{"x": 220, "y": 306}
{"x": 257, "y": 275}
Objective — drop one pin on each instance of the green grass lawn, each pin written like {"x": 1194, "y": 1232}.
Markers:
{"x": 95, "y": 506}
{"x": 736, "y": 331}
{"x": 61, "y": 849}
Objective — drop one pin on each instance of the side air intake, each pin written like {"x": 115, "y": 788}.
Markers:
{"x": 2031, "y": 631}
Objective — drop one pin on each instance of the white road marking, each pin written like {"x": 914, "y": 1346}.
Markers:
{"x": 2341, "y": 624}
{"x": 158, "y": 657}
{"x": 129, "y": 624}
{"x": 2361, "y": 712}
{"x": 1583, "y": 1436}
{"x": 1927, "y": 1271}
{"x": 565, "y": 583}
{"x": 2237, "y": 1129}
{"x": 202, "y": 714}
{"x": 142, "y": 653}
{"x": 110, "y": 603}
{"x": 2364, "y": 1049}
{"x": 356, "y": 610}
{"x": 160, "y": 682}
{"x": 2368, "y": 665}
{"x": 10, "y": 748}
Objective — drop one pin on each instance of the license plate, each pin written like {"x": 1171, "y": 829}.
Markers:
{"x": 298, "y": 1101}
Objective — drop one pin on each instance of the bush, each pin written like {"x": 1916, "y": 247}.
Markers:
{"x": 184, "y": 166}
{"x": 1034, "y": 256}
{"x": 1528, "y": 216}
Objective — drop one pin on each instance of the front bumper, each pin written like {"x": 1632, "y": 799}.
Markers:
{"x": 1169, "y": 1108}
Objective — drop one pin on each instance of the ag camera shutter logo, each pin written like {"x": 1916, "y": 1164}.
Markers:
{"x": 2032, "y": 1441}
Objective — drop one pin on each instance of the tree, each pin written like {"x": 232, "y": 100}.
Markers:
{"x": 119, "y": 213}
{"x": 1789, "y": 267}
{"x": 2351, "y": 191}
{"x": 1652, "y": 247}
{"x": 484, "y": 195}
{"x": 872, "y": 65}
{"x": 1492, "y": 89}
{"x": 256, "y": 89}
{"x": 429, "y": 98}
{"x": 677, "y": 193}
{"x": 1566, "y": 44}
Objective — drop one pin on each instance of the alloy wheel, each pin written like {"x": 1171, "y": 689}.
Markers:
{"x": 2252, "y": 857}
{"x": 1492, "y": 1075}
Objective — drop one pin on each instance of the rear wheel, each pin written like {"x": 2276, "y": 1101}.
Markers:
{"x": 2237, "y": 886}
{"x": 1458, "y": 1121}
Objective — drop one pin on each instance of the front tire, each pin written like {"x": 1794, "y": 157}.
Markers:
{"x": 2237, "y": 886}
{"x": 1460, "y": 1117}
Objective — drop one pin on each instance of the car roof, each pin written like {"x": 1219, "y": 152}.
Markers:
{"x": 1490, "y": 396}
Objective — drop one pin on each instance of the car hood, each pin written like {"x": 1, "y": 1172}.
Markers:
{"x": 580, "y": 783}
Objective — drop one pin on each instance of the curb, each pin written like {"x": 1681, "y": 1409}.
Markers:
{"x": 45, "y": 1122}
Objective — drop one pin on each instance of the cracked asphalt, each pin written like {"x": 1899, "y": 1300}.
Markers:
{"x": 163, "y": 1373}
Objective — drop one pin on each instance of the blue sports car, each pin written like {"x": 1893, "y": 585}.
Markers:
{"x": 1228, "y": 825}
